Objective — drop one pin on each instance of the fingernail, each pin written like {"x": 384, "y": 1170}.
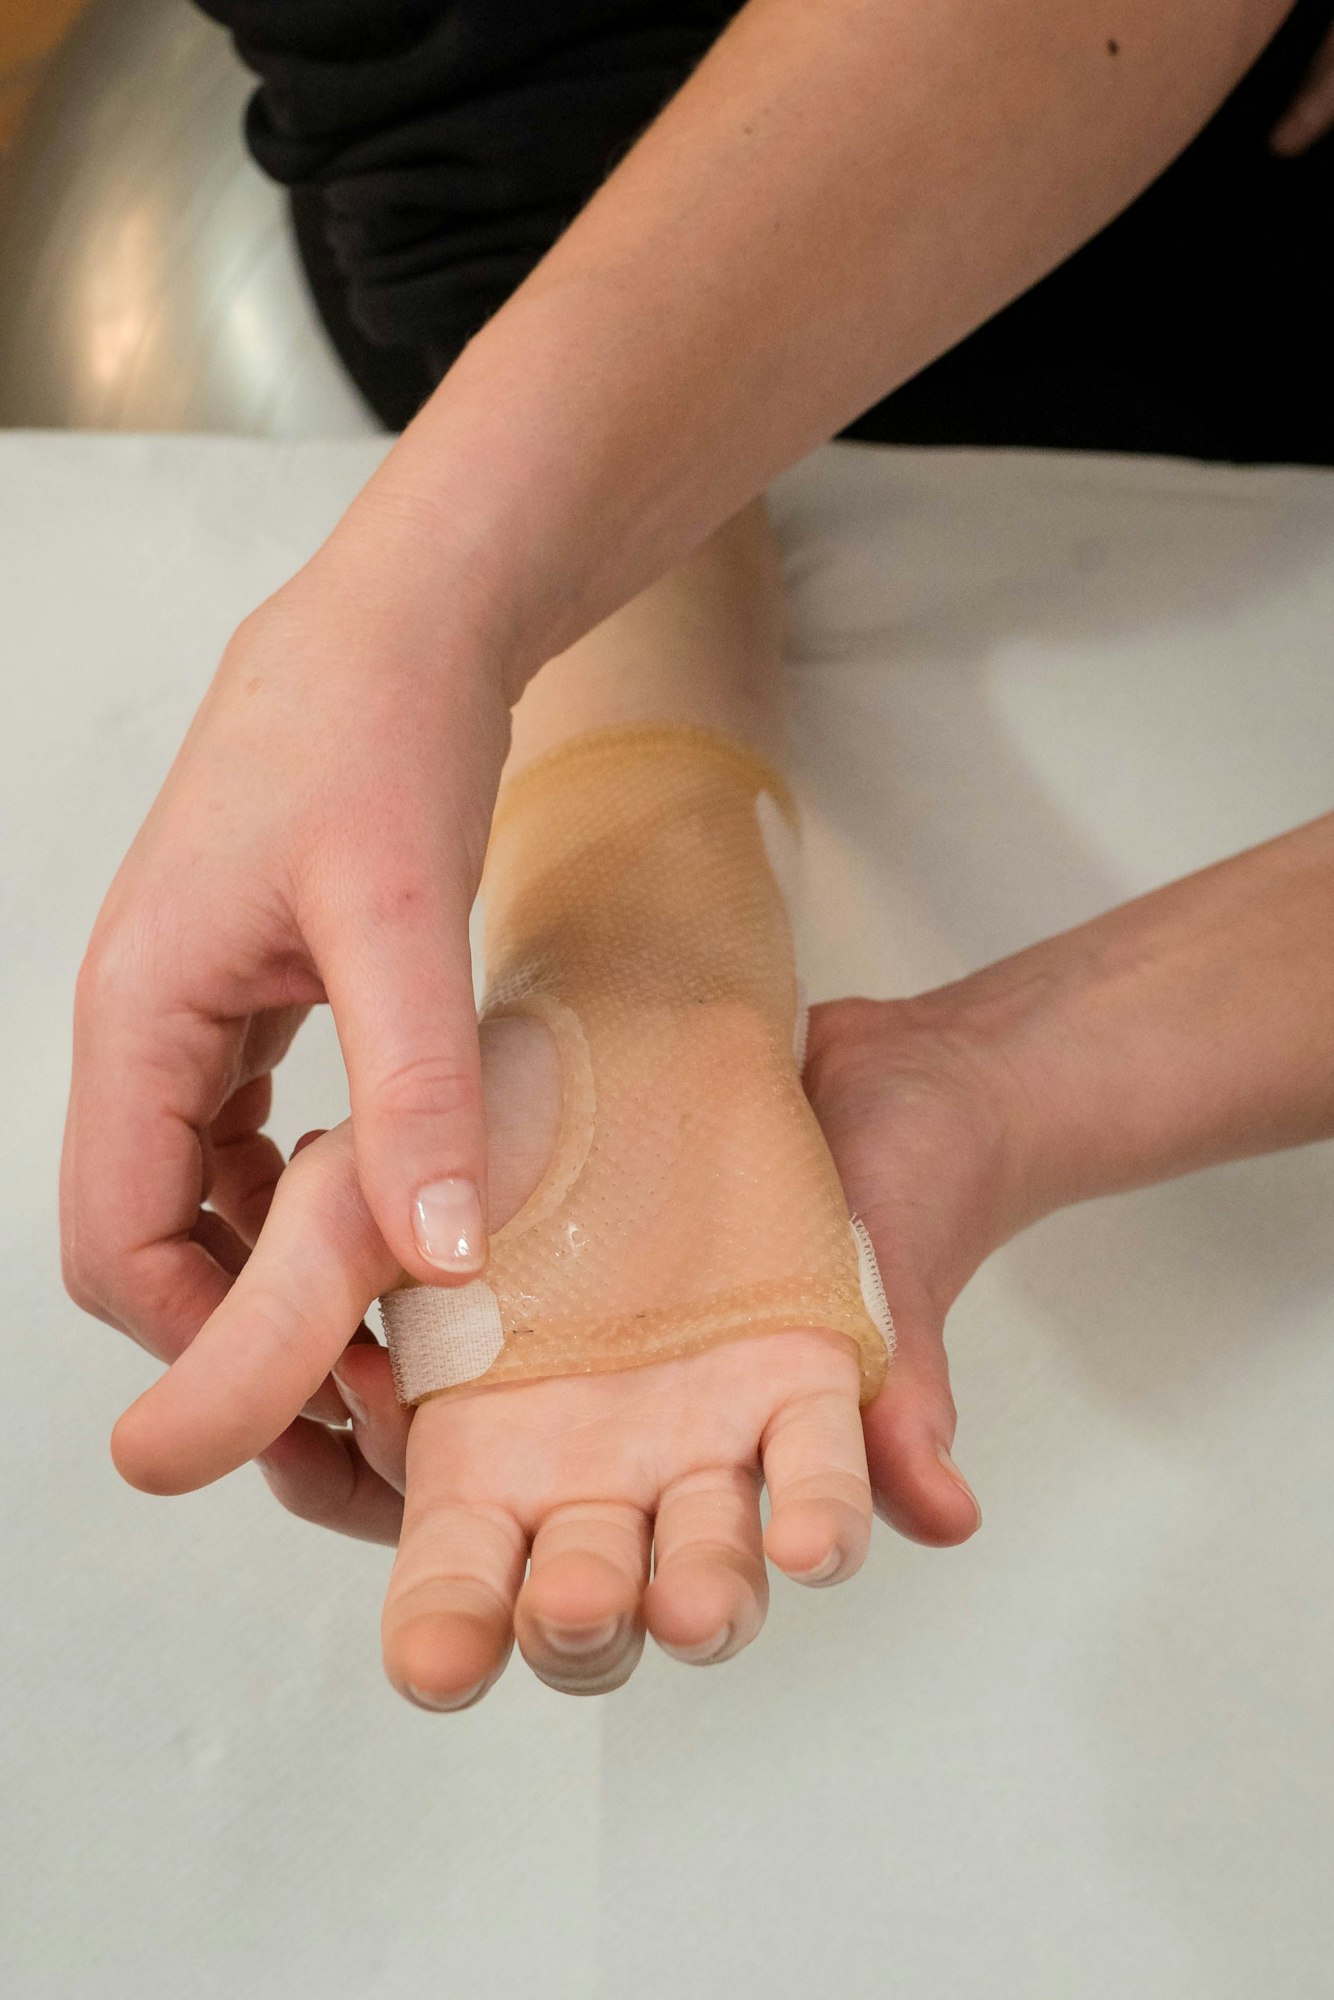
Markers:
{"x": 823, "y": 1572}
{"x": 706, "y": 1651}
{"x": 943, "y": 1455}
{"x": 356, "y": 1409}
{"x": 574, "y": 1639}
{"x": 447, "y": 1223}
{"x": 446, "y": 1704}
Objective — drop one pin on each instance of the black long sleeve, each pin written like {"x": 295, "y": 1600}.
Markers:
{"x": 438, "y": 147}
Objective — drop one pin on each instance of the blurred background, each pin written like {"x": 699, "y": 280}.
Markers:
{"x": 149, "y": 278}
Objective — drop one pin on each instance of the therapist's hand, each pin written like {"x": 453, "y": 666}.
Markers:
{"x": 1183, "y": 1029}
{"x": 320, "y": 836}
{"x": 926, "y": 1135}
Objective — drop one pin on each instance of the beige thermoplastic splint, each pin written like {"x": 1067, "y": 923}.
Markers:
{"x": 634, "y": 902}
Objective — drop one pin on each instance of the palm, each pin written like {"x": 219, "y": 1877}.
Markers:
{"x": 578, "y": 1514}
{"x": 601, "y": 1474}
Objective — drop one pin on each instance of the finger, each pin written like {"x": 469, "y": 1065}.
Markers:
{"x": 909, "y": 1429}
{"x": 448, "y": 1622}
{"x": 522, "y": 1098}
{"x": 399, "y": 979}
{"x": 270, "y": 1343}
{"x": 271, "y": 1033}
{"x": 578, "y": 1621}
{"x": 320, "y": 1476}
{"x": 227, "y": 1250}
{"x": 710, "y": 1590}
{"x": 241, "y": 1187}
{"x": 145, "y": 1084}
{"x": 216, "y": 1235}
{"x": 819, "y": 1495}
{"x": 1311, "y": 114}
{"x": 380, "y": 1423}
{"x": 242, "y": 1164}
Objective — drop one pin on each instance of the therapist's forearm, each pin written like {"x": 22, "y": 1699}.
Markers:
{"x": 837, "y": 195}
{"x": 1191, "y": 1026}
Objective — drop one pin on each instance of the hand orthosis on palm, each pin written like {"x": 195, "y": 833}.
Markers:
{"x": 677, "y": 1307}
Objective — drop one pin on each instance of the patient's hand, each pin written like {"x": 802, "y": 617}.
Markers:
{"x": 594, "y": 1474}
{"x": 598, "y": 1474}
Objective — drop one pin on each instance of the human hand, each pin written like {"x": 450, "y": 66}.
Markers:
{"x": 917, "y": 1113}
{"x": 915, "y": 1108}
{"x": 1174, "y": 1032}
{"x": 587, "y": 1473}
{"x": 319, "y": 837}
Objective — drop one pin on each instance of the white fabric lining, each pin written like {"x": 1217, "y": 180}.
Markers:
{"x": 440, "y": 1336}
{"x": 873, "y": 1285}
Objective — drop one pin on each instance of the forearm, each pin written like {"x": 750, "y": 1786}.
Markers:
{"x": 1191, "y": 1026}
{"x": 835, "y": 197}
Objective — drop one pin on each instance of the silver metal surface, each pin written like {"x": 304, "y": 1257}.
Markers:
{"x": 148, "y": 275}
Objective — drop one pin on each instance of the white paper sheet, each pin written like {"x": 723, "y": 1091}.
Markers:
{"x": 1087, "y": 1756}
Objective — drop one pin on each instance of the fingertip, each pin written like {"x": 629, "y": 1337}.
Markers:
{"x": 449, "y": 1234}
{"x": 419, "y": 1130}
{"x": 702, "y": 1612}
{"x": 139, "y": 1457}
{"x": 817, "y": 1543}
{"x": 436, "y": 1233}
{"x": 445, "y": 1660}
{"x": 577, "y": 1588}
{"x": 930, "y": 1502}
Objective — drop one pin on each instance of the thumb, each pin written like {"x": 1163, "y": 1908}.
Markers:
{"x": 399, "y": 980}
{"x": 909, "y": 1428}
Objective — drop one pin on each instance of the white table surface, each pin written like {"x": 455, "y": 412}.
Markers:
{"x": 1090, "y": 1755}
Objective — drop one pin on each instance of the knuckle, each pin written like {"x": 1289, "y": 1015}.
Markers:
{"x": 92, "y": 985}
{"x": 117, "y": 963}
{"x": 277, "y": 1321}
{"x": 86, "y": 1270}
{"x": 79, "y": 1284}
{"x": 428, "y": 1087}
{"x": 304, "y": 1505}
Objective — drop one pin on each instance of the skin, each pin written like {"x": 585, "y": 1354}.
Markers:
{"x": 1183, "y": 1029}
{"x": 321, "y": 833}
{"x": 1310, "y": 116}
{"x": 320, "y": 836}
{"x": 576, "y": 1484}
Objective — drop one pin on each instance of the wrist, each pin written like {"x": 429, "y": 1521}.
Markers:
{"x": 407, "y": 584}
{"x": 553, "y": 475}
{"x": 1012, "y": 1028}
{"x": 475, "y": 515}
{"x": 1090, "y": 1042}
{"x": 912, "y": 1098}
{"x": 1174, "y": 1032}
